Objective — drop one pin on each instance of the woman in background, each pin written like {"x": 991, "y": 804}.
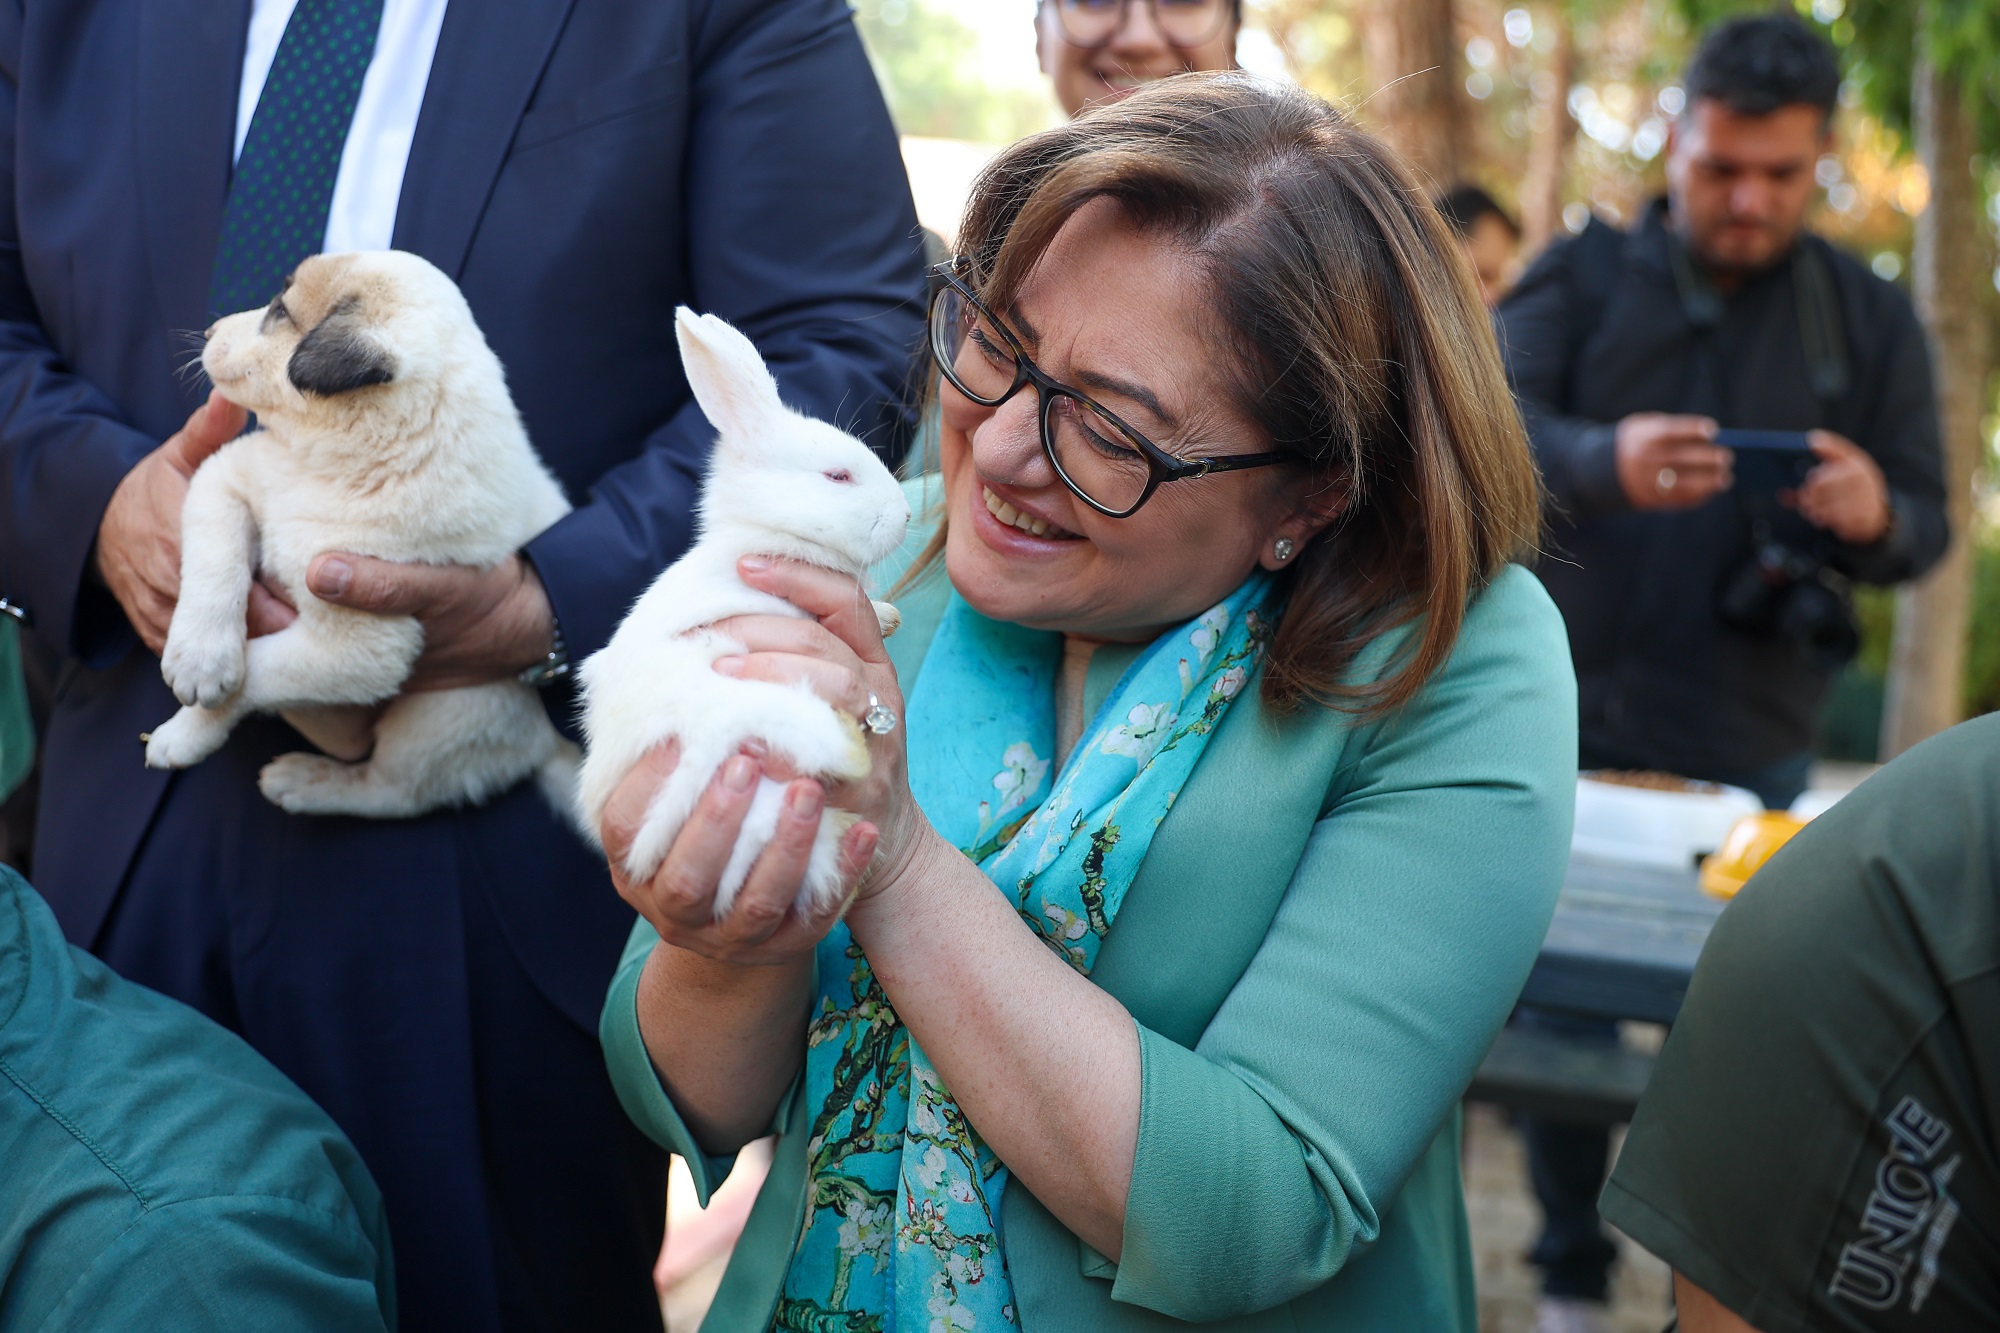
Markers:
{"x": 1097, "y": 51}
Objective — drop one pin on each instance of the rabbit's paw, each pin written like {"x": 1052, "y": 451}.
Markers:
{"x": 204, "y": 670}
{"x": 890, "y": 618}
{"x": 186, "y": 738}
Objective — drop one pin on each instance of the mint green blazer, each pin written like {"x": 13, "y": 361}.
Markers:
{"x": 1329, "y": 929}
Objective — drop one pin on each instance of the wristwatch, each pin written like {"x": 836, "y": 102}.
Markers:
{"x": 551, "y": 668}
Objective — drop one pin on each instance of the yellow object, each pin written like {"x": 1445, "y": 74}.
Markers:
{"x": 1743, "y": 853}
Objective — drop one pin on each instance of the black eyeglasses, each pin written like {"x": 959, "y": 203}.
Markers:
{"x": 1110, "y": 466}
{"x": 1091, "y": 24}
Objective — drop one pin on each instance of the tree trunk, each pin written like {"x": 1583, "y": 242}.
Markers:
{"x": 1416, "y": 101}
{"x": 1553, "y": 131}
{"x": 1949, "y": 269}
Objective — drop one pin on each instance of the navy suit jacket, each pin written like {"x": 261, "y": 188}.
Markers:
{"x": 580, "y": 168}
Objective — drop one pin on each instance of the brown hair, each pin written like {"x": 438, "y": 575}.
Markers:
{"x": 1360, "y": 345}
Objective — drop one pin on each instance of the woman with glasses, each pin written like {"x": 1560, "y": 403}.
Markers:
{"x": 1099, "y": 50}
{"x": 1223, "y": 768}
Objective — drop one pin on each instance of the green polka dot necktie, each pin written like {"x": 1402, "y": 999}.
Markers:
{"x": 283, "y": 185}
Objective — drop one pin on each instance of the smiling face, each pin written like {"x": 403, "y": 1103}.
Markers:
{"x": 1739, "y": 185}
{"x": 1124, "y": 315}
{"x": 1137, "y": 53}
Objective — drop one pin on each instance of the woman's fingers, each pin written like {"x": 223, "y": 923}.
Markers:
{"x": 838, "y": 685}
{"x": 683, "y": 888}
{"x": 626, "y": 809}
{"x": 788, "y": 634}
{"x": 800, "y": 932}
{"x": 767, "y": 895}
{"x": 835, "y": 600}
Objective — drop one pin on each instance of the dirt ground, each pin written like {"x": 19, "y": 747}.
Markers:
{"x": 1503, "y": 1218}
{"x": 1504, "y": 1222}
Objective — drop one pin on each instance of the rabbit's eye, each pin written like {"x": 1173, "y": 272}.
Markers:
{"x": 840, "y": 476}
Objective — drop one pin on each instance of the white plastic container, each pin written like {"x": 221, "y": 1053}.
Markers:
{"x": 1640, "y": 825}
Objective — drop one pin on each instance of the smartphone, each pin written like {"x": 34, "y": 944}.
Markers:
{"x": 1768, "y": 461}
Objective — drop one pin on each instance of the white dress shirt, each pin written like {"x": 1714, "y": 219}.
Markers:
{"x": 363, "y": 212}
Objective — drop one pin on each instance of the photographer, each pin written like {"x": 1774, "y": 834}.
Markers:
{"x": 1629, "y": 350}
{"x": 1705, "y": 588}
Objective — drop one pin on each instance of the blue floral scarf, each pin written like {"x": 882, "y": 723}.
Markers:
{"x": 902, "y": 1227}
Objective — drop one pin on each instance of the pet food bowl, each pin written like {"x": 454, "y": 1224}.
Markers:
{"x": 1651, "y": 826}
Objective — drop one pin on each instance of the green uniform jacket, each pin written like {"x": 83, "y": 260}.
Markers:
{"x": 156, "y": 1174}
{"x": 1328, "y": 930}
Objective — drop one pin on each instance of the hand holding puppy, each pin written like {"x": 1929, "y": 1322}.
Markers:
{"x": 386, "y": 428}
{"x": 480, "y": 625}
{"x": 138, "y": 552}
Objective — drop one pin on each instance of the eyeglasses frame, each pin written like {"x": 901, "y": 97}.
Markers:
{"x": 1153, "y": 9}
{"x": 1162, "y": 466}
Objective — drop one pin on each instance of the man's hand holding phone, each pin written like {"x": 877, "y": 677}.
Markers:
{"x": 1846, "y": 493}
{"x": 1667, "y": 461}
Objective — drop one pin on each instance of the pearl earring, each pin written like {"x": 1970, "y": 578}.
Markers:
{"x": 1283, "y": 549}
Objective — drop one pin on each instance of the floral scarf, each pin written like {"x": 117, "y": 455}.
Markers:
{"x": 902, "y": 1229}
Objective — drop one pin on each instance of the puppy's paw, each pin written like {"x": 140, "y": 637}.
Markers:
{"x": 203, "y": 670}
{"x": 303, "y": 784}
{"x": 890, "y": 617}
{"x": 186, "y": 738}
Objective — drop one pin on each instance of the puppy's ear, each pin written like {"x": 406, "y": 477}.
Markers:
{"x": 727, "y": 375}
{"x": 338, "y": 356}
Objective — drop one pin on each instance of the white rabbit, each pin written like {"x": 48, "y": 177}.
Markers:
{"x": 780, "y": 484}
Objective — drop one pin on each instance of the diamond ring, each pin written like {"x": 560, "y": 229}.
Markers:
{"x": 880, "y": 718}
{"x": 1667, "y": 478}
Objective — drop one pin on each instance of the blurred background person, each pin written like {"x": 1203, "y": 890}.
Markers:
{"x": 1489, "y": 234}
{"x": 1100, "y": 50}
{"x": 1707, "y": 618}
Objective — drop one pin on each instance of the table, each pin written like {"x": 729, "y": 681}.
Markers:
{"x": 1623, "y": 945}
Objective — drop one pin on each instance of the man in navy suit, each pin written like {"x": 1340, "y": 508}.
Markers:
{"x": 579, "y": 169}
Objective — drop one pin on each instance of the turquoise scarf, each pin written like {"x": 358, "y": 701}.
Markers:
{"x": 902, "y": 1227}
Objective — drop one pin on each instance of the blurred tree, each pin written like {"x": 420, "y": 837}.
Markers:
{"x": 1552, "y": 131}
{"x": 1951, "y": 260}
{"x": 1415, "y": 101}
{"x": 927, "y": 61}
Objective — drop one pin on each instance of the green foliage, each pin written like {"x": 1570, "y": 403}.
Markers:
{"x": 1878, "y": 41}
{"x": 1875, "y": 608}
{"x": 926, "y": 61}
{"x": 1851, "y": 723}
{"x": 1982, "y": 657}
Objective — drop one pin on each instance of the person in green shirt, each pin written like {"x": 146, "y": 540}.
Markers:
{"x": 158, "y": 1174}
{"x": 1237, "y": 791}
{"x": 17, "y": 732}
{"x": 1820, "y": 1144}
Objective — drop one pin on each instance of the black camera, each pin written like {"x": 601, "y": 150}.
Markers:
{"x": 1794, "y": 595}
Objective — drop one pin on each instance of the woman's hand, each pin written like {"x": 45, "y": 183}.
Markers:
{"x": 762, "y": 926}
{"x": 839, "y": 655}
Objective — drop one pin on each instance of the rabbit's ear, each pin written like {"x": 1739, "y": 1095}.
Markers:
{"x": 727, "y": 375}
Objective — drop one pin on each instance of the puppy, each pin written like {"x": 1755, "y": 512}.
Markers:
{"x": 386, "y": 430}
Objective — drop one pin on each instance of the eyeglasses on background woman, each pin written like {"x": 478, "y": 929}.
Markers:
{"x": 1110, "y": 466}
{"x": 1184, "y": 23}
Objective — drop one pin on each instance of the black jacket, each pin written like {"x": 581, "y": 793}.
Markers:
{"x": 1599, "y": 329}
